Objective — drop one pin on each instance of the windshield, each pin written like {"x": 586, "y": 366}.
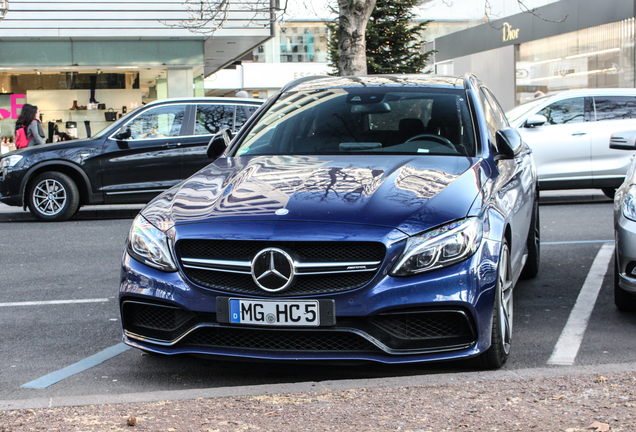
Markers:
{"x": 520, "y": 110}
{"x": 369, "y": 120}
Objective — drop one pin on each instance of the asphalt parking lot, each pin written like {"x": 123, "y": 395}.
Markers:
{"x": 59, "y": 312}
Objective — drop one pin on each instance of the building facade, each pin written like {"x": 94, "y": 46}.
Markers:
{"x": 70, "y": 56}
{"x": 564, "y": 45}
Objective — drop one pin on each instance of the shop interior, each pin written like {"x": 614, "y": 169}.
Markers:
{"x": 76, "y": 102}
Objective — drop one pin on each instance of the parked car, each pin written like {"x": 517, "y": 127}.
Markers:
{"x": 625, "y": 227}
{"x": 137, "y": 157}
{"x": 381, "y": 218}
{"x": 568, "y": 133}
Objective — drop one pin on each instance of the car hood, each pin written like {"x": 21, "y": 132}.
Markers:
{"x": 409, "y": 193}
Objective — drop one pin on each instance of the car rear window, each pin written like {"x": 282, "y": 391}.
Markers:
{"x": 369, "y": 120}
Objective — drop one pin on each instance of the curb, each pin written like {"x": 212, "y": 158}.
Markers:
{"x": 312, "y": 387}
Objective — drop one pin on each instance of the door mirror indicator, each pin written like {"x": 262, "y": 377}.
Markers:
{"x": 623, "y": 140}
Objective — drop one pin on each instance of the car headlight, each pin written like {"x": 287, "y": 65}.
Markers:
{"x": 629, "y": 203}
{"x": 149, "y": 245}
{"x": 10, "y": 161}
{"x": 440, "y": 247}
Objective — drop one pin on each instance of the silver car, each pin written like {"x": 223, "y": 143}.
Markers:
{"x": 625, "y": 227}
{"x": 568, "y": 133}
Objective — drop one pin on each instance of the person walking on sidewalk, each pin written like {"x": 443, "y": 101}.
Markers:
{"x": 30, "y": 119}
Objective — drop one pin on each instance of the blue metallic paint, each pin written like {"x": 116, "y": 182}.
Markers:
{"x": 474, "y": 293}
{"x": 210, "y": 202}
{"x": 362, "y": 189}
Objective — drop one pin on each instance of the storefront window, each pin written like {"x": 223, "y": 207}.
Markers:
{"x": 295, "y": 42}
{"x": 595, "y": 57}
{"x": 87, "y": 100}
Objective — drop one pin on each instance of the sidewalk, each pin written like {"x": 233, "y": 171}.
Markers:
{"x": 596, "y": 398}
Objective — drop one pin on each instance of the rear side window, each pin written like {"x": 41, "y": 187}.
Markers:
{"x": 615, "y": 107}
{"x": 212, "y": 118}
{"x": 243, "y": 112}
{"x": 567, "y": 111}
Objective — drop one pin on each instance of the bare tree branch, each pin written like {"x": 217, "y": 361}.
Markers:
{"x": 488, "y": 14}
{"x": 208, "y": 16}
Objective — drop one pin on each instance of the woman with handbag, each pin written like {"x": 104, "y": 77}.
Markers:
{"x": 30, "y": 120}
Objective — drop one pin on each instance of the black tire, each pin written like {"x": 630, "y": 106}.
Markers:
{"x": 623, "y": 300}
{"x": 53, "y": 197}
{"x": 531, "y": 267}
{"x": 501, "y": 333}
{"x": 609, "y": 192}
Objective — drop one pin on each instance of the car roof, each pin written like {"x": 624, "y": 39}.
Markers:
{"x": 206, "y": 99}
{"x": 608, "y": 91}
{"x": 377, "y": 81}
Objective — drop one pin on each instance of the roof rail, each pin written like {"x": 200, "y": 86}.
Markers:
{"x": 470, "y": 79}
{"x": 300, "y": 80}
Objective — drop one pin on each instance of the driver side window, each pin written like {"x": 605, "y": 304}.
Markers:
{"x": 159, "y": 122}
{"x": 567, "y": 111}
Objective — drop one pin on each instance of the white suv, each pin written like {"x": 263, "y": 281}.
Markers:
{"x": 569, "y": 134}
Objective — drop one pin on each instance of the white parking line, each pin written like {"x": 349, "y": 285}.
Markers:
{"x": 76, "y": 368}
{"x": 53, "y": 302}
{"x": 567, "y": 347}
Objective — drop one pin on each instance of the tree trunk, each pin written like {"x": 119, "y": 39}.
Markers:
{"x": 354, "y": 15}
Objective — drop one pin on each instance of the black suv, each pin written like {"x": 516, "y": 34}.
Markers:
{"x": 137, "y": 157}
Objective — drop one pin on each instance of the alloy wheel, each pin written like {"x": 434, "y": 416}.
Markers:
{"x": 504, "y": 280}
{"x": 49, "y": 196}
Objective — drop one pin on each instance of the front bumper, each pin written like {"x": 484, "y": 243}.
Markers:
{"x": 441, "y": 315}
{"x": 625, "y": 233}
{"x": 10, "y": 187}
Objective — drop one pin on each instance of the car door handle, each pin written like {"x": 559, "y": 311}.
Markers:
{"x": 171, "y": 145}
{"x": 579, "y": 133}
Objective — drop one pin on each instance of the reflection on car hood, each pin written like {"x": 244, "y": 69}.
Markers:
{"x": 404, "y": 192}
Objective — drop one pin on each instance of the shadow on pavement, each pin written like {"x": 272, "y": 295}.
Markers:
{"x": 16, "y": 214}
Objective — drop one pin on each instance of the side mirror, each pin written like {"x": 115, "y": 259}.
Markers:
{"x": 219, "y": 143}
{"x": 508, "y": 143}
{"x": 535, "y": 121}
{"x": 623, "y": 140}
{"x": 124, "y": 133}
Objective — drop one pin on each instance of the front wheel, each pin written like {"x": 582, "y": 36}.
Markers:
{"x": 531, "y": 267}
{"x": 53, "y": 197}
{"x": 609, "y": 192}
{"x": 501, "y": 333}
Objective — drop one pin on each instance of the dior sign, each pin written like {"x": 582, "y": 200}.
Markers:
{"x": 509, "y": 33}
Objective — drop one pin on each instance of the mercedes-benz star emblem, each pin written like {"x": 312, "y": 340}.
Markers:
{"x": 273, "y": 269}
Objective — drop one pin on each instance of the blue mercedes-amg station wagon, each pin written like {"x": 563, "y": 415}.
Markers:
{"x": 379, "y": 218}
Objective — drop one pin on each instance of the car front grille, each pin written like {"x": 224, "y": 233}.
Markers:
{"x": 225, "y": 265}
{"x": 278, "y": 340}
{"x": 429, "y": 325}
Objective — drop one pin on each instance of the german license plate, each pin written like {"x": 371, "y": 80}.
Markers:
{"x": 274, "y": 312}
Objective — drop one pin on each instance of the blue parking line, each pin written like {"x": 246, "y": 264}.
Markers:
{"x": 577, "y": 242}
{"x": 80, "y": 366}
